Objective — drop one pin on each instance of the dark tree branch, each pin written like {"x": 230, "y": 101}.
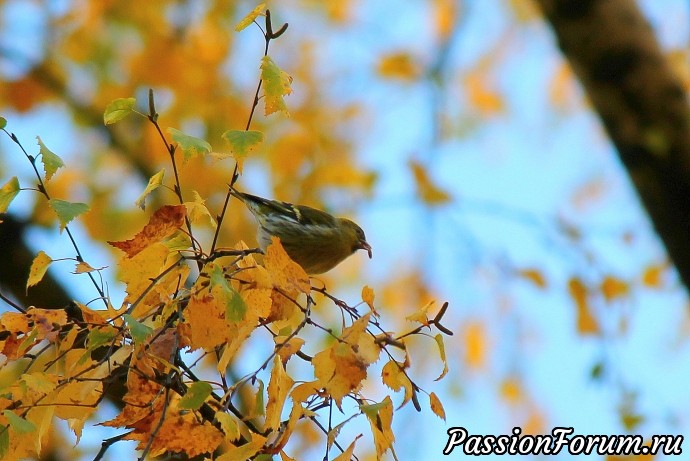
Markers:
{"x": 642, "y": 104}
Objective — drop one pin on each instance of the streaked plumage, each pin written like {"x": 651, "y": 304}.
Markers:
{"x": 314, "y": 239}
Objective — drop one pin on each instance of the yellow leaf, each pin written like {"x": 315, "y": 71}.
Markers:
{"x": 276, "y": 85}
{"x": 278, "y": 388}
{"x": 481, "y": 96}
{"x": 436, "y": 406}
{"x": 442, "y": 354}
{"x": 83, "y": 267}
{"x": 154, "y": 183}
{"x": 445, "y": 17}
{"x": 613, "y": 288}
{"x": 347, "y": 455}
{"x": 48, "y": 322}
{"x": 562, "y": 87}
{"x": 38, "y": 269}
{"x": 380, "y": 416}
{"x": 231, "y": 430}
{"x": 248, "y": 19}
{"x": 421, "y": 315}
{"x": 394, "y": 377}
{"x": 284, "y": 457}
{"x": 301, "y": 392}
{"x": 429, "y": 192}
{"x": 198, "y": 212}
{"x": 342, "y": 367}
{"x": 368, "y": 297}
{"x": 137, "y": 271}
{"x": 286, "y": 273}
{"x": 244, "y": 452}
{"x": 286, "y": 349}
{"x": 7, "y": 193}
{"x": 511, "y": 390}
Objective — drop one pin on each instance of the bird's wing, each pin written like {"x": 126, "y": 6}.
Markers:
{"x": 275, "y": 209}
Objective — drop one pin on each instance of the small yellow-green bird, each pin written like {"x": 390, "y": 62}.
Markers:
{"x": 314, "y": 239}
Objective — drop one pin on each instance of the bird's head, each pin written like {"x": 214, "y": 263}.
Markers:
{"x": 355, "y": 235}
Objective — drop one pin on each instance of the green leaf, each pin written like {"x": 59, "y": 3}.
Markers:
{"x": 229, "y": 426}
{"x": 19, "y": 424}
{"x": 196, "y": 395}
{"x": 235, "y": 307}
{"x": 138, "y": 330}
{"x": 98, "y": 337}
{"x": 242, "y": 142}
{"x": 189, "y": 144}
{"x": 118, "y": 109}
{"x": 372, "y": 410}
{"x": 276, "y": 85}
{"x": 51, "y": 162}
{"x": 8, "y": 192}
{"x": 259, "y": 406}
{"x": 3, "y": 123}
{"x": 442, "y": 354}
{"x": 67, "y": 211}
{"x": 247, "y": 20}
{"x": 154, "y": 183}
{"x": 4, "y": 443}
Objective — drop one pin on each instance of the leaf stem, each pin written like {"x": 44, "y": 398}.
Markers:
{"x": 43, "y": 190}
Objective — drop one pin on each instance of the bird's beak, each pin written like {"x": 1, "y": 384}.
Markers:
{"x": 365, "y": 246}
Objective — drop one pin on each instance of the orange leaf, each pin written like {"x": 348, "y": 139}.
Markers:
{"x": 613, "y": 288}
{"x": 436, "y": 406}
{"x": 286, "y": 273}
{"x": 48, "y": 322}
{"x": 511, "y": 390}
{"x": 342, "y": 367}
{"x": 652, "y": 276}
{"x": 586, "y": 322}
{"x": 278, "y": 388}
{"x": 475, "y": 345}
{"x": 429, "y": 192}
{"x": 164, "y": 222}
{"x": 399, "y": 65}
{"x": 535, "y": 276}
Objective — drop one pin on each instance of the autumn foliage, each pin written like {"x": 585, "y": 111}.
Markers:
{"x": 167, "y": 355}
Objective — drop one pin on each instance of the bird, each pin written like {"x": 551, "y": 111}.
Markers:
{"x": 314, "y": 239}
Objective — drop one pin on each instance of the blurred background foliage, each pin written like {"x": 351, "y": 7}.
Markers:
{"x": 453, "y": 130}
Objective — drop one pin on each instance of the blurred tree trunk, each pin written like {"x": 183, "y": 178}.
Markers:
{"x": 643, "y": 106}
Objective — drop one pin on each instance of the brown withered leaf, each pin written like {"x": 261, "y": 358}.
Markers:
{"x": 163, "y": 223}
